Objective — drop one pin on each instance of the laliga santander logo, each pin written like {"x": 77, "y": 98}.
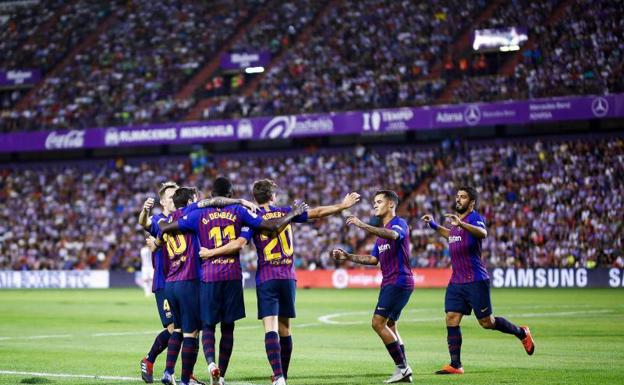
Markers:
{"x": 340, "y": 279}
{"x": 279, "y": 127}
{"x": 72, "y": 139}
{"x": 472, "y": 115}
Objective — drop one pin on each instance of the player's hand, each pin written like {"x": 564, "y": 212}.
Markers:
{"x": 249, "y": 205}
{"x": 149, "y": 203}
{"x": 453, "y": 219}
{"x": 338, "y": 254}
{"x": 300, "y": 208}
{"x": 205, "y": 253}
{"x": 355, "y": 221}
{"x": 350, "y": 200}
{"x": 151, "y": 243}
{"x": 427, "y": 218}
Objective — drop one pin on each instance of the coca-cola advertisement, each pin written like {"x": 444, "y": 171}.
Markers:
{"x": 60, "y": 141}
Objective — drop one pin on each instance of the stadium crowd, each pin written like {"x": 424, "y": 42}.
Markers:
{"x": 583, "y": 53}
{"x": 133, "y": 70}
{"x": 546, "y": 204}
{"x": 104, "y": 197}
{"x": 361, "y": 54}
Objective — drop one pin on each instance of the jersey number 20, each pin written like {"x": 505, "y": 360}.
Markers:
{"x": 285, "y": 239}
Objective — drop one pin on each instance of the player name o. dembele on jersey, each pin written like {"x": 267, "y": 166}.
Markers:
{"x": 275, "y": 255}
{"x": 465, "y": 250}
{"x": 181, "y": 252}
{"x": 216, "y": 227}
{"x": 393, "y": 256}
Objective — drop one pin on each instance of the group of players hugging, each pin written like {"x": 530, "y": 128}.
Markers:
{"x": 198, "y": 277}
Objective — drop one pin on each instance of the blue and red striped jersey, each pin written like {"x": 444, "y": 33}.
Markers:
{"x": 158, "y": 283}
{"x": 216, "y": 227}
{"x": 275, "y": 254}
{"x": 181, "y": 252}
{"x": 394, "y": 256}
{"x": 465, "y": 252}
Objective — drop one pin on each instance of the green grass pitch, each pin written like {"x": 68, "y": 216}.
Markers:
{"x": 61, "y": 334}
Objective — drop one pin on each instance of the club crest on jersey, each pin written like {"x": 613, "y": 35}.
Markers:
{"x": 384, "y": 248}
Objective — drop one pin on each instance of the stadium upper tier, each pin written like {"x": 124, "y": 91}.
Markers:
{"x": 545, "y": 203}
{"x": 118, "y": 63}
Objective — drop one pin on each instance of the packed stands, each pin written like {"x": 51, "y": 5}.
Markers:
{"x": 547, "y": 203}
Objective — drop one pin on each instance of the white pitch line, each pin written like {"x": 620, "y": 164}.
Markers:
{"x": 112, "y": 334}
{"x": 92, "y": 377}
{"x": 36, "y": 337}
{"x": 66, "y": 375}
{"x": 328, "y": 319}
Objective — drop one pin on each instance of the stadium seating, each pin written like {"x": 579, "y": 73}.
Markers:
{"x": 360, "y": 54}
{"x": 534, "y": 196}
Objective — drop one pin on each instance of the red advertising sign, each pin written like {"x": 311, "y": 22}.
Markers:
{"x": 365, "y": 278}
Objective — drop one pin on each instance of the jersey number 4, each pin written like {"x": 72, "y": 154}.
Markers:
{"x": 285, "y": 240}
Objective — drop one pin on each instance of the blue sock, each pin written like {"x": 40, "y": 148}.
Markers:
{"x": 160, "y": 344}
{"x": 502, "y": 325}
{"x": 397, "y": 355}
{"x": 225, "y": 346}
{"x": 454, "y": 340}
{"x": 272, "y": 346}
{"x": 190, "y": 347}
{"x": 286, "y": 351}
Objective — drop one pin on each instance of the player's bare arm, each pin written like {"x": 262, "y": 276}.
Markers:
{"x": 144, "y": 216}
{"x": 323, "y": 211}
{"x": 341, "y": 255}
{"x": 476, "y": 231}
{"x": 443, "y": 231}
{"x": 232, "y": 247}
{"x": 378, "y": 231}
{"x": 273, "y": 225}
{"x": 223, "y": 201}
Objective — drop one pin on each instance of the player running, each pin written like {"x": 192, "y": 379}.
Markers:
{"x": 391, "y": 251}
{"x": 221, "y": 291}
{"x": 469, "y": 287}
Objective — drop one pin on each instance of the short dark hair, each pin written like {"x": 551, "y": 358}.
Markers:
{"x": 166, "y": 186}
{"x": 183, "y": 195}
{"x": 472, "y": 193}
{"x": 263, "y": 190}
{"x": 390, "y": 195}
{"x": 222, "y": 187}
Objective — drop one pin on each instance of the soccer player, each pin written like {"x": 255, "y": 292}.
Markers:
{"x": 150, "y": 224}
{"x": 275, "y": 277}
{"x": 181, "y": 252}
{"x": 391, "y": 251}
{"x": 221, "y": 290}
{"x": 469, "y": 287}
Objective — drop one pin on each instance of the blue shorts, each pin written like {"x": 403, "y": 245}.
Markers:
{"x": 166, "y": 316}
{"x": 183, "y": 298}
{"x": 277, "y": 297}
{"x": 392, "y": 300}
{"x": 221, "y": 301}
{"x": 463, "y": 297}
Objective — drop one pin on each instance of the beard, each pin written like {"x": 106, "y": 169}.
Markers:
{"x": 459, "y": 208}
